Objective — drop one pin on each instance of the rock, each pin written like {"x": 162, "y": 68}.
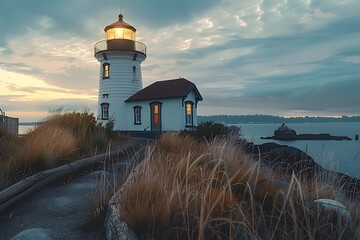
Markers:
{"x": 283, "y": 133}
{"x": 330, "y": 204}
{"x": 288, "y": 159}
{"x": 34, "y": 233}
{"x": 332, "y": 218}
{"x": 291, "y": 137}
{"x": 267, "y": 147}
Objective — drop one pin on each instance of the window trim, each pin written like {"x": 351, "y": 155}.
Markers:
{"x": 108, "y": 70}
{"x": 135, "y": 119}
{"x": 192, "y": 114}
{"x": 103, "y": 105}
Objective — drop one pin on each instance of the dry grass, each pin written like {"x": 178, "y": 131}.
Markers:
{"x": 185, "y": 189}
{"x": 63, "y": 137}
{"x": 39, "y": 150}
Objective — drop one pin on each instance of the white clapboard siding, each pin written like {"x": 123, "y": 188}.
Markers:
{"x": 120, "y": 85}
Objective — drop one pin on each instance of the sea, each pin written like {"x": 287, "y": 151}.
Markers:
{"x": 340, "y": 156}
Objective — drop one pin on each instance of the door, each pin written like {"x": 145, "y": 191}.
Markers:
{"x": 155, "y": 111}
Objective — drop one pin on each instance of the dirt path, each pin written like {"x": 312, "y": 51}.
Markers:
{"x": 62, "y": 210}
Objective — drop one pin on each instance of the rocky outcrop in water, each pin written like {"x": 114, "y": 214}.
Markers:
{"x": 284, "y": 133}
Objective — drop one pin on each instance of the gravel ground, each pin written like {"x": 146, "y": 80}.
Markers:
{"x": 62, "y": 210}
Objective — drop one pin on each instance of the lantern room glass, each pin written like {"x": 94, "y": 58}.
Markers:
{"x": 120, "y": 33}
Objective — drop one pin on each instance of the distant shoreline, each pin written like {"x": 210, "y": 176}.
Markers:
{"x": 269, "y": 119}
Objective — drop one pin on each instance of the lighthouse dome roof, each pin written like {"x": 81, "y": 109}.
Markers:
{"x": 120, "y": 24}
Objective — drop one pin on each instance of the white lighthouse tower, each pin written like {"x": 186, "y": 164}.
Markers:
{"x": 120, "y": 57}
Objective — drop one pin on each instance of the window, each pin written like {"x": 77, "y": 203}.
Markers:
{"x": 105, "y": 95}
{"x": 189, "y": 113}
{"x": 156, "y": 114}
{"x": 134, "y": 73}
{"x": 137, "y": 115}
{"x": 104, "y": 111}
{"x": 106, "y": 70}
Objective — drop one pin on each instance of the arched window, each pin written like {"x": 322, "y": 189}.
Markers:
{"x": 134, "y": 73}
{"x": 189, "y": 114}
{"x": 106, "y": 70}
{"x": 104, "y": 111}
{"x": 137, "y": 115}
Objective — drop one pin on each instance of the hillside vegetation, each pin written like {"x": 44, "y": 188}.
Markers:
{"x": 62, "y": 137}
{"x": 191, "y": 189}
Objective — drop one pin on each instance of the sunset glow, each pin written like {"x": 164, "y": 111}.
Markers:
{"x": 287, "y": 58}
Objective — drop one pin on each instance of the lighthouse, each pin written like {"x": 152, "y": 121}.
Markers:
{"x": 120, "y": 57}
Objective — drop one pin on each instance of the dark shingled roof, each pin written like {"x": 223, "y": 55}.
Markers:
{"x": 175, "y": 88}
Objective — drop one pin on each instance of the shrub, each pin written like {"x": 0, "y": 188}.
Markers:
{"x": 210, "y": 130}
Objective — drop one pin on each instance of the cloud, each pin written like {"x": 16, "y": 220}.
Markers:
{"x": 247, "y": 56}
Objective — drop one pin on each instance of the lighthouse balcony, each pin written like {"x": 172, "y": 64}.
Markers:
{"x": 119, "y": 45}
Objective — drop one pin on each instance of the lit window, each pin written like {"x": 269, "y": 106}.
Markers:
{"x": 106, "y": 70}
{"x": 105, "y": 111}
{"x": 137, "y": 115}
{"x": 156, "y": 114}
{"x": 189, "y": 113}
{"x": 120, "y": 33}
{"x": 110, "y": 34}
{"x": 128, "y": 34}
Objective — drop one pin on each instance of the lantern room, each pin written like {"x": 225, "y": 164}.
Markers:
{"x": 120, "y": 36}
{"x": 120, "y": 30}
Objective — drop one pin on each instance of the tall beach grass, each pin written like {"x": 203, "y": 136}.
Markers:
{"x": 186, "y": 189}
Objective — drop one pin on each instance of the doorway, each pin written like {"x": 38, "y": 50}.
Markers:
{"x": 155, "y": 111}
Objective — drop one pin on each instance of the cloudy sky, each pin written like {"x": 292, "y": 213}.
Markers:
{"x": 279, "y": 57}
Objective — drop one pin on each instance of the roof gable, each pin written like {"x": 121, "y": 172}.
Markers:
{"x": 175, "y": 88}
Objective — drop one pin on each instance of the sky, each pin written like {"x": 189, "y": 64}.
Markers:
{"x": 278, "y": 57}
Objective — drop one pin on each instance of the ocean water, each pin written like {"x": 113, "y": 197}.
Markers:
{"x": 340, "y": 156}
{"x": 25, "y": 129}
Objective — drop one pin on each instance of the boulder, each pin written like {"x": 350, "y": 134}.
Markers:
{"x": 288, "y": 159}
{"x": 332, "y": 219}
